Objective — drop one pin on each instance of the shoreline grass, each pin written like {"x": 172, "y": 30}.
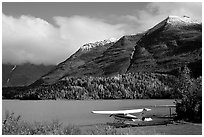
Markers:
{"x": 14, "y": 125}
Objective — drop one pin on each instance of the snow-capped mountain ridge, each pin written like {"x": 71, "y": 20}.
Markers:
{"x": 88, "y": 46}
{"x": 174, "y": 21}
{"x": 185, "y": 20}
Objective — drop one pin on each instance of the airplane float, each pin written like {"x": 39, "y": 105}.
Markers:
{"x": 125, "y": 115}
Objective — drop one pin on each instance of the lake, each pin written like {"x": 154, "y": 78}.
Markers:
{"x": 78, "y": 112}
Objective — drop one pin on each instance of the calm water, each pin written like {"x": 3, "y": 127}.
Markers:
{"x": 77, "y": 112}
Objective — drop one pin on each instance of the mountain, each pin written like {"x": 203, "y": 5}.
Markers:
{"x": 71, "y": 66}
{"x": 173, "y": 43}
{"x": 22, "y": 75}
{"x": 95, "y": 59}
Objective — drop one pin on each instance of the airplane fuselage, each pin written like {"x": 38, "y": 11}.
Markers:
{"x": 125, "y": 117}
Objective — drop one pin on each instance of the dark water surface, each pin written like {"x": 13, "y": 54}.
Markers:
{"x": 78, "y": 112}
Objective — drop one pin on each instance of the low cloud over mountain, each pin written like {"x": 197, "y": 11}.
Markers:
{"x": 34, "y": 40}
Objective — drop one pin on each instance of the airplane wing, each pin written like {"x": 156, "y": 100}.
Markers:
{"x": 166, "y": 106}
{"x": 122, "y": 111}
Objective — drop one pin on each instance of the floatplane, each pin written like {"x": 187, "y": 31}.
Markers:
{"x": 120, "y": 116}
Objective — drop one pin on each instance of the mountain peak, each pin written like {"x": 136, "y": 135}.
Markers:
{"x": 185, "y": 20}
{"x": 88, "y": 46}
{"x": 173, "y": 21}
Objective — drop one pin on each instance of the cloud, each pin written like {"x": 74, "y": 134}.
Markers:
{"x": 34, "y": 40}
{"x": 154, "y": 12}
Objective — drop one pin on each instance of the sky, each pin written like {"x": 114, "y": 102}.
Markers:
{"x": 48, "y": 33}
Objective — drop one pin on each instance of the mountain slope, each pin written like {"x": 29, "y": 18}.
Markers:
{"x": 22, "y": 75}
{"x": 71, "y": 66}
{"x": 175, "y": 42}
{"x": 116, "y": 59}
